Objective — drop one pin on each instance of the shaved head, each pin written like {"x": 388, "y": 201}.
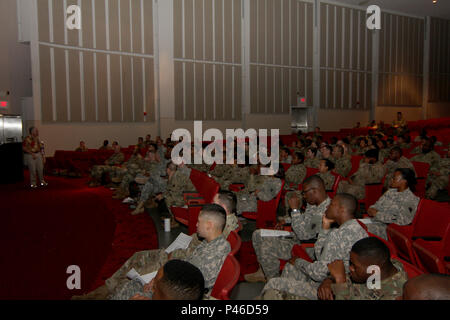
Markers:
{"x": 314, "y": 182}
{"x": 427, "y": 287}
{"x": 348, "y": 202}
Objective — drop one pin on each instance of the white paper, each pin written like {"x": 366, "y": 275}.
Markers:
{"x": 366, "y": 221}
{"x": 274, "y": 233}
{"x": 181, "y": 242}
{"x": 146, "y": 278}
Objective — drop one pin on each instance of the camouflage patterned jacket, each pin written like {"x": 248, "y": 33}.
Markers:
{"x": 332, "y": 244}
{"x": 391, "y": 287}
{"x": 432, "y": 158}
{"x": 307, "y": 226}
{"x": 295, "y": 174}
{"x": 177, "y": 184}
{"x": 396, "y": 207}
{"x": 116, "y": 159}
{"x": 369, "y": 173}
{"x": 328, "y": 179}
{"x": 312, "y": 163}
{"x": 343, "y": 166}
{"x": 209, "y": 258}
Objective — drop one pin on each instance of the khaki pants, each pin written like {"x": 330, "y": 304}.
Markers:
{"x": 35, "y": 165}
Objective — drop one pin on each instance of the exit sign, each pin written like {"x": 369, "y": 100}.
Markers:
{"x": 4, "y": 104}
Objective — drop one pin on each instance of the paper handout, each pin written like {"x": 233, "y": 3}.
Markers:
{"x": 274, "y": 233}
{"x": 144, "y": 279}
{"x": 181, "y": 242}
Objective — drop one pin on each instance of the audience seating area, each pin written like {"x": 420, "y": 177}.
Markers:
{"x": 422, "y": 247}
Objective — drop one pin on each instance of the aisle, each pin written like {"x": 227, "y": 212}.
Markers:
{"x": 44, "y": 231}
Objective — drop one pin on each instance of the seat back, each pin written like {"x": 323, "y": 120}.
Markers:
{"x": 206, "y": 186}
{"x": 267, "y": 211}
{"x": 355, "y": 164}
{"x": 310, "y": 172}
{"x": 410, "y": 269}
{"x": 421, "y": 169}
{"x": 373, "y": 192}
{"x": 286, "y": 166}
{"x": 390, "y": 245}
{"x": 235, "y": 242}
{"x": 227, "y": 278}
{"x": 431, "y": 220}
{"x": 337, "y": 180}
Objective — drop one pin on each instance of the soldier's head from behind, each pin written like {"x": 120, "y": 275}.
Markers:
{"x": 370, "y": 252}
{"x": 427, "y": 287}
{"x": 211, "y": 221}
{"x": 314, "y": 191}
{"x": 395, "y": 154}
{"x": 227, "y": 200}
{"x": 178, "y": 280}
{"x": 105, "y": 143}
{"x": 342, "y": 208}
{"x": 371, "y": 156}
{"x": 298, "y": 158}
{"x": 326, "y": 165}
{"x": 403, "y": 179}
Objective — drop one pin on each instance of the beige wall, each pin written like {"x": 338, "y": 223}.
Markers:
{"x": 438, "y": 110}
{"x": 388, "y": 114}
{"x": 334, "y": 120}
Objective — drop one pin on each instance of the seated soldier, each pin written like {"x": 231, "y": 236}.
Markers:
{"x": 325, "y": 151}
{"x": 369, "y": 171}
{"x": 98, "y": 171}
{"x": 342, "y": 164}
{"x": 105, "y": 146}
{"x": 208, "y": 256}
{"x": 398, "y": 205}
{"x": 325, "y": 168}
{"x": 305, "y": 226}
{"x": 353, "y": 286}
{"x": 285, "y": 156}
{"x": 82, "y": 147}
{"x": 176, "y": 280}
{"x": 260, "y": 187}
{"x": 311, "y": 160}
{"x": 440, "y": 178}
{"x": 296, "y": 172}
{"x": 301, "y": 277}
{"x": 427, "y": 287}
{"x": 396, "y": 161}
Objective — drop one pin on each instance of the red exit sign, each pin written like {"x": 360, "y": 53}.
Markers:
{"x": 4, "y": 104}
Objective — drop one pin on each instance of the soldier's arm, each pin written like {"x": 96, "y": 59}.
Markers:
{"x": 269, "y": 190}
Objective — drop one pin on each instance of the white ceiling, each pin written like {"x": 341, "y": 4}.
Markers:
{"x": 414, "y": 7}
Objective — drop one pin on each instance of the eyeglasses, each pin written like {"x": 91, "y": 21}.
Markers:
{"x": 306, "y": 191}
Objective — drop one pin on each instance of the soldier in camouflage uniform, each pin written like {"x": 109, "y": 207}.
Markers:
{"x": 398, "y": 205}
{"x": 259, "y": 187}
{"x": 305, "y": 226}
{"x": 208, "y": 256}
{"x": 325, "y": 168}
{"x": 154, "y": 185}
{"x": 428, "y": 155}
{"x": 353, "y": 286}
{"x": 293, "y": 177}
{"x": 370, "y": 171}
{"x": 225, "y": 199}
{"x": 396, "y": 161}
{"x": 311, "y": 160}
{"x": 97, "y": 171}
{"x": 342, "y": 164}
{"x": 303, "y": 278}
{"x": 440, "y": 177}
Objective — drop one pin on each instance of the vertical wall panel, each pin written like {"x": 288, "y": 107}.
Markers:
{"x": 58, "y": 21}
{"x": 189, "y": 29}
{"x": 43, "y": 21}
{"x": 60, "y": 85}
{"x": 75, "y": 86}
{"x": 218, "y": 26}
{"x": 439, "y": 78}
{"x": 237, "y": 31}
{"x": 137, "y": 25}
{"x": 86, "y": 20}
{"x": 178, "y": 68}
{"x": 228, "y": 25}
{"x": 102, "y": 88}
{"x": 125, "y": 25}
{"x": 219, "y": 89}
{"x": 89, "y": 87}
{"x": 198, "y": 11}
{"x": 178, "y": 28}
{"x": 148, "y": 26}
{"x": 138, "y": 90}
{"x": 190, "y": 87}
{"x": 46, "y": 83}
{"x": 150, "y": 89}
{"x": 209, "y": 30}
{"x": 114, "y": 25}
{"x": 209, "y": 88}
{"x": 116, "y": 92}
{"x": 199, "y": 92}
{"x": 228, "y": 92}
{"x": 100, "y": 24}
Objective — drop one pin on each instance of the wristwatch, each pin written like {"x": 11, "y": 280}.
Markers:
{"x": 295, "y": 211}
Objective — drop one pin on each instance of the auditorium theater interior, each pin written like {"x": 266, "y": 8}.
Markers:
{"x": 225, "y": 150}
